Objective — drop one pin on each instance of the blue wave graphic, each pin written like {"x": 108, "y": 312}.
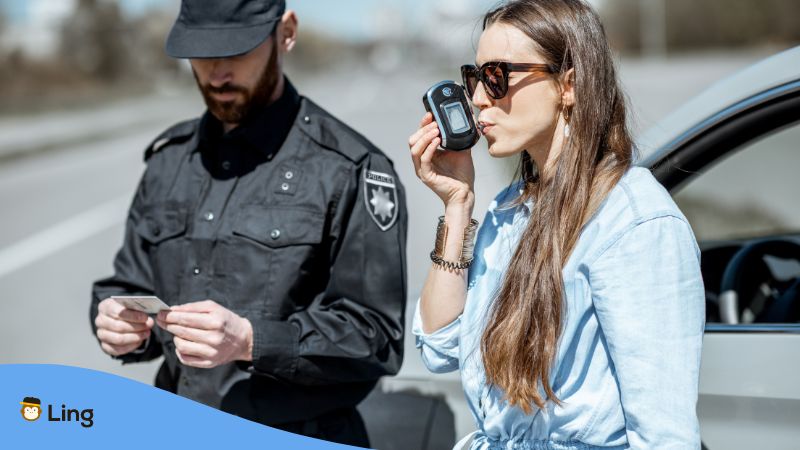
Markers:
{"x": 125, "y": 414}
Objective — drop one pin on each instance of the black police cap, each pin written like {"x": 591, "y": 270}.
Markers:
{"x": 222, "y": 28}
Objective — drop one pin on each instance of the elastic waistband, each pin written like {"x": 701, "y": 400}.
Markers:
{"x": 483, "y": 442}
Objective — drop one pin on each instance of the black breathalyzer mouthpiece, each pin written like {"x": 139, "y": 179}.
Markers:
{"x": 448, "y": 103}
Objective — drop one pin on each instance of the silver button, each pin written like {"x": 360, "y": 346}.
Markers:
{"x": 285, "y": 186}
{"x": 226, "y": 165}
{"x": 307, "y": 119}
{"x": 196, "y": 271}
{"x": 289, "y": 175}
{"x": 209, "y": 216}
{"x": 275, "y": 234}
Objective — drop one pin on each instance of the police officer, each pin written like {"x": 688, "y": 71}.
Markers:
{"x": 275, "y": 233}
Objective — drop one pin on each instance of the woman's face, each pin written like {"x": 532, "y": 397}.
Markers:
{"x": 527, "y": 117}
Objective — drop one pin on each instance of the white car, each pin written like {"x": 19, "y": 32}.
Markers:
{"x": 731, "y": 159}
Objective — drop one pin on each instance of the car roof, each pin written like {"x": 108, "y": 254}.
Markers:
{"x": 704, "y": 109}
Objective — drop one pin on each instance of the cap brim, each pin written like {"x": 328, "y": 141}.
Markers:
{"x": 184, "y": 42}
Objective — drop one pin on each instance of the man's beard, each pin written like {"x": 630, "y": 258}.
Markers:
{"x": 235, "y": 111}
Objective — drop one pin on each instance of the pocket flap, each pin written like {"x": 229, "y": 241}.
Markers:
{"x": 280, "y": 226}
{"x": 160, "y": 222}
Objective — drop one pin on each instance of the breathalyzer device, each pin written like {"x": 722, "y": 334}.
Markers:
{"x": 448, "y": 103}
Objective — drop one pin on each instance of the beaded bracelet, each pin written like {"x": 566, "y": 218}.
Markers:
{"x": 467, "y": 246}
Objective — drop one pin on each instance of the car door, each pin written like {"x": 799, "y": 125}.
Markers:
{"x": 736, "y": 176}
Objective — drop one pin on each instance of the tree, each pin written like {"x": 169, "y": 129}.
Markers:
{"x": 692, "y": 24}
{"x": 93, "y": 40}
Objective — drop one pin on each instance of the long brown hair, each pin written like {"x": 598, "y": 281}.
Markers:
{"x": 520, "y": 341}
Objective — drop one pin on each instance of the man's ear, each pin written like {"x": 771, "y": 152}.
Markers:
{"x": 568, "y": 88}
{"x": 287, "y": 31}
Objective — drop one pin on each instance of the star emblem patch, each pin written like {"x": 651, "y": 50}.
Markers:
{"x": 380, "y": 196}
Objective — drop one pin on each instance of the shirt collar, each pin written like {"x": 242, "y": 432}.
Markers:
{"x": 264, "y": 129}
{"x": 527, "y": 204}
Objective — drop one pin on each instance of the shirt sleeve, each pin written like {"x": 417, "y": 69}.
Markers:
{"x": 439, "y": 350}
{"x": 132, "y": 276}
{"x": 648, "y": 292}
{"x": 353, "y": 331}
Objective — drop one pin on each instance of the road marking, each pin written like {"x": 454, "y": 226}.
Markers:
{"x": 62, "y": 235}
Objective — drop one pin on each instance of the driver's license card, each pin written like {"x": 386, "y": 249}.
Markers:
{"x": 146, "y": 304}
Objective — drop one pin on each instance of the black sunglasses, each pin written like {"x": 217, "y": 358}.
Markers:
{"x": 494, "y": 76}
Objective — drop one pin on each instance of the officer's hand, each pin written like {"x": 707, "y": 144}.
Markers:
{"x": 451, "y": 175}
{"x": 208, "y": 335}
{"x": 119, "y": 329}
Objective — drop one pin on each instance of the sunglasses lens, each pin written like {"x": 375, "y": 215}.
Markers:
{"x": 470, "y": 79}
{"x": 495, "y": 80}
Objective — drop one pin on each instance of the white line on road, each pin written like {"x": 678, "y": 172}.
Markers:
{"x": 62, "y": 235}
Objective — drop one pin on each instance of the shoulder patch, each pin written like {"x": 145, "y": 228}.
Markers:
{"x": 175, "y": 134}
{"x": 380, "y": 198}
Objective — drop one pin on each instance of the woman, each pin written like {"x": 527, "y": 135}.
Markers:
{"x": 579, "y": 323}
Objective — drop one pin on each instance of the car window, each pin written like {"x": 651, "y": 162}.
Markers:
{"x": 751, "y": 195}
{"x": 753, "y": 192}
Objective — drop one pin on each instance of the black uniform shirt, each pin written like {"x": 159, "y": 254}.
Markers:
{"x": 292, "y": 220}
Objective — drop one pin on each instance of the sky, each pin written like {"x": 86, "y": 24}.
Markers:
{"x": 353, "y": 22}
{"x": 34, "y": 24}
{"x": 350, "y": 19}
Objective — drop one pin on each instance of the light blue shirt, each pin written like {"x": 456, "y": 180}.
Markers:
{"x": 628, "y": 361}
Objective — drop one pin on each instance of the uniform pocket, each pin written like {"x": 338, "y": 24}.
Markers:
{"x": 276, "y": 257}
{"x": 278, "y": 227}
{"x": 162, "y": 226}
{"x": 161, "y": 222}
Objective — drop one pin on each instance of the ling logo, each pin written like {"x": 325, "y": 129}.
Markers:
{"x": 31, "y": 408}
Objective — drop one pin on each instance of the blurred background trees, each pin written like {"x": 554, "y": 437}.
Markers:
{"x": 98, "y": 50}
{"x": 98, "y": 54}
{"x": 93, "y": 41}
{"x": 689, "y": 25}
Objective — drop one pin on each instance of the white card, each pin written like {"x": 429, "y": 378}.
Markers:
{"x": 149, "y": 305}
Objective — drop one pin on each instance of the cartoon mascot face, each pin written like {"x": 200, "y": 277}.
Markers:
{"x": 31, "y": 408}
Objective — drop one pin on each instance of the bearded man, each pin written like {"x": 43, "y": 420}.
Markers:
{"x": 275, "y": 233}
